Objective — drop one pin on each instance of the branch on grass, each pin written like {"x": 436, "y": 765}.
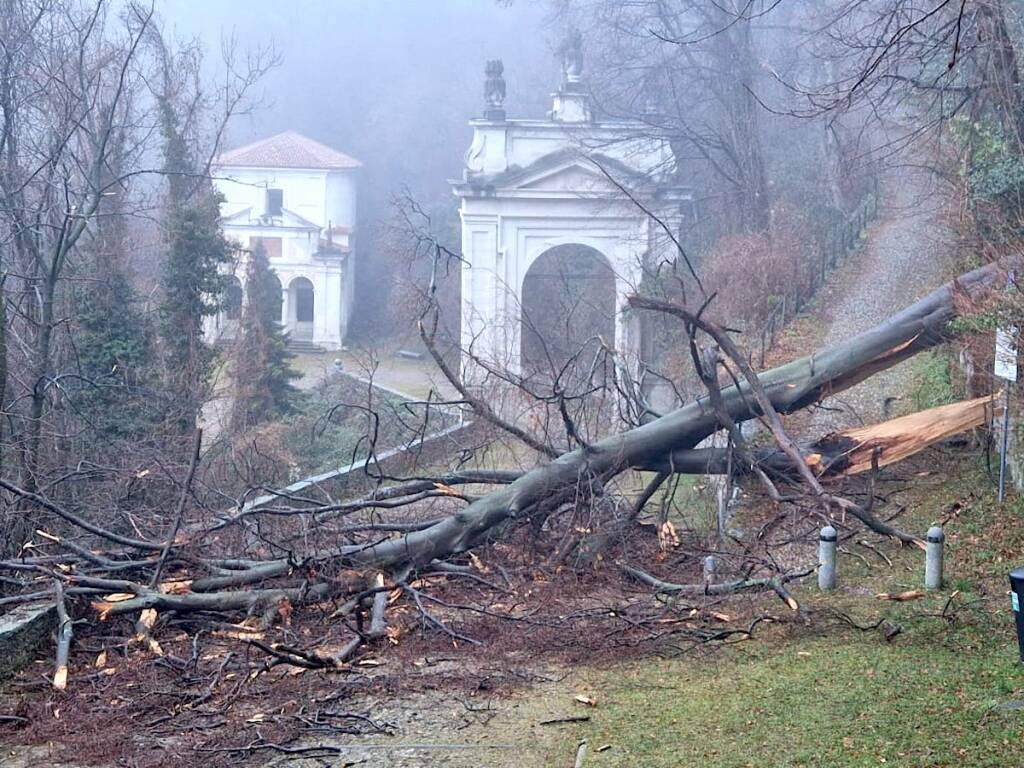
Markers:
{"x": 774, "y": 583}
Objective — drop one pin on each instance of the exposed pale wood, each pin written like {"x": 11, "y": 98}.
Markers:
{"x": 65, "y": 633}
{"x": 898, "y": 439}
{"x": 850, "y": 451}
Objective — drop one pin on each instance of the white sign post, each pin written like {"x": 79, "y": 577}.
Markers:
{"x": 1005, "y": 369}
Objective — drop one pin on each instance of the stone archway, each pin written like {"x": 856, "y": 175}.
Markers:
{"x": 567, "y": 308}
{"x": 233, "y": 299}
{"x": 531, "y": 187}
{"x": 302, "y": 302}
{"x": 225, "y": 322}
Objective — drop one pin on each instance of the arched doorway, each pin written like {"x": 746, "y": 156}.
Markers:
{"x": 227, "y": 319}
{"x": 568, "y": 311}
{"x": 303, "y": 304}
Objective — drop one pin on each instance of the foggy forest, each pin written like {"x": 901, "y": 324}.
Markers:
{"x": 511, "y": 383}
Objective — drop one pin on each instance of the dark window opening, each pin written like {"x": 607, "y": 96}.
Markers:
{"x": 275, "y": 202}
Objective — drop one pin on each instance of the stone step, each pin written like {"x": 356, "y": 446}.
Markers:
{"x": 302, "y": 346}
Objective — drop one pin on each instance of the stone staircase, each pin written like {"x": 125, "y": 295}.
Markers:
{"x": 304, "y": 347}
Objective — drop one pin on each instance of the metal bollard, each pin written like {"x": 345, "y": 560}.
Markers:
{"x": 827, "y": 558}
{"x": 933, "y": 558}
{"x": 709, "y": 569}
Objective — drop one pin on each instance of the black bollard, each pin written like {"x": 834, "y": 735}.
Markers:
{"x": 1017, "y": 596}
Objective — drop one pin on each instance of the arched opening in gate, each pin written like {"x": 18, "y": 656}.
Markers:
{"x": 568, "y": 312}
{"x": 302, "y": 300}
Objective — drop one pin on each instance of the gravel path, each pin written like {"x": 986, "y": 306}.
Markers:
{"x": 903, "y": 259}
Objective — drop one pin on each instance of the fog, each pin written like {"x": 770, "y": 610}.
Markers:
{"x": 391, "y": 82}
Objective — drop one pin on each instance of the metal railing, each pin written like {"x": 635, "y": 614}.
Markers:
{"x": 842, "y": 239}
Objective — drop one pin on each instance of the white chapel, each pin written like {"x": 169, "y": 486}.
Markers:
{"x": 297, "y": 197}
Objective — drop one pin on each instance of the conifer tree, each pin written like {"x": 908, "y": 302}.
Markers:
{"x": 113, "y": 345}
{"x": 193, "y": 276}
{"x": 262, "y": 373}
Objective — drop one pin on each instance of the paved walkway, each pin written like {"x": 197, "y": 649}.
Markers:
{"x": 904, "y": 259}
{"x": 414, "y": 378}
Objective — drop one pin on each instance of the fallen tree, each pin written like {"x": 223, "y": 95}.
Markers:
{"x": 851, "y": 451}
{"x": 388, "y": 557}
{"x": 657, "y": 444}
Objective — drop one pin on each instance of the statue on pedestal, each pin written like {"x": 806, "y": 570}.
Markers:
{"x": 494, "y": 90}
{"x": 571, "y": 51}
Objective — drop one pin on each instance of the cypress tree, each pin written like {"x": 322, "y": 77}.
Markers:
{"x": 263, "y": 376}
{"x": 193, "y": 276}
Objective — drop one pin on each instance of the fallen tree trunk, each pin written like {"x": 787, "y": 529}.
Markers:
{"x": 850, "y": 451}
{"x": 789, "y": 388}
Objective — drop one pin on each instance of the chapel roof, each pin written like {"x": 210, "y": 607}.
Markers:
{"x": 287, "y": 150}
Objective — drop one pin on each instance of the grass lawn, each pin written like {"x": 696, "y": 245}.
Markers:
{"x": 940, "y": 693}
{"x": 832, "y": 701}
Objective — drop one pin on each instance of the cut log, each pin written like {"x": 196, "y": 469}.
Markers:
{"x": 65, "y": 634}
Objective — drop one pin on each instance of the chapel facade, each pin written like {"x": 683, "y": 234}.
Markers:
{"x": 297, "y": 198}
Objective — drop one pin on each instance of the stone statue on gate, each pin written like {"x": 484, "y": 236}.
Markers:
{"x": 494, "y": 90}
{"x": 571, "y": 51}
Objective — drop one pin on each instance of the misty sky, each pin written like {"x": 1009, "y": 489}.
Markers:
{"x": 391, "y": 82}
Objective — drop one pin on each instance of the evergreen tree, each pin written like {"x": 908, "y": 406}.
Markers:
{"x": 112, "y": 337}
{"x": 193, "y": 276}
{"x": 113, "y": 343}
{"x": 262, "y": 373}
{"x": 193, "y": 282}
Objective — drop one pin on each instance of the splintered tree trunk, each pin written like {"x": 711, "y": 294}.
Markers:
{"x": 789, "y": 387}
{"x": 851, "y": 451}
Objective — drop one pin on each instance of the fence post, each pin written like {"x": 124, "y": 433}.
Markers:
{"x": 933, "y": 558}
{"x": 827, "y": 558}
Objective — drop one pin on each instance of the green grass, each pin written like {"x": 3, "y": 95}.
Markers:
{"x": 839, "y": 700}
{"x": 933, "y": 381}
{"x": 832, "y": 696}
{"x": 692, "y": 504}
